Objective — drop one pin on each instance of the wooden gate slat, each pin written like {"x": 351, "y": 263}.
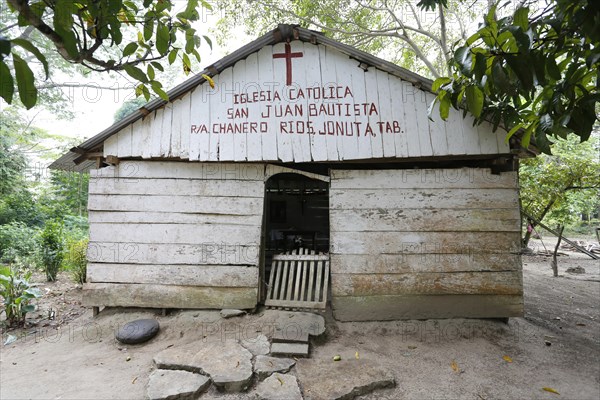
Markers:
{"x": 292, "y": 280}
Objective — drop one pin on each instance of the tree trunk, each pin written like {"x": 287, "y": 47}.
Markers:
{"x": 540, "y": 217}
{"x": 554, "y": 262}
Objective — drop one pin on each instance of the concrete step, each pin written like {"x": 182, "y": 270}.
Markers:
{"x": 290, "y": 337}
{"x": 289, "y": 349}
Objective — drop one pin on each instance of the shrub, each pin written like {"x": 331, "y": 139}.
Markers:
{"x": 52, "y": 248}
{"x": 17, "y": 240}
{"x": 76, "y": 259}
{"x": 17, "y": 293}
{"x": 76, "y": 227}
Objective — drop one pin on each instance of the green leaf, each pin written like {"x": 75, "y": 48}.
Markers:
{"x": 512, "y": 132}
{"x": 208, "y": 40}
{"x": 157, "y": 87}
{"x": 148, "y": 28}
{"x": 462, "y": 56}
{"x": 135, "y": 73}
{"x": 480, "y": 67}
{"x": 162, "y": 38}
{"x": 521, "y": 18}
{"x": 439, "y": 82}
{"x": 474, "y": 100}
{"x": 552, "y": 68}
{"x": 592, "y": 59}
{"x": 187, "y": 65}
{"x": 473, "y": 38}
{"x": 541, "y": 140}
{"x": 490, "y": 17}
{"x": 522, "y": 40}
{"x": 150, "y": 72}
{"x": 527, "y": 135}
{"x": 445, "y": 103}
{"x": 522, "y": 69}
{"x": 4, "y": 47}
{"x": 25, "y": 82}
{"x": 196, "y": 54}
{"x": 7, "y": 85}
{"x": 173, "y": 56}
{"x": 63, "y": 14}
{"x": 158, "y": 66}
{"x": 27, "y": 45}
{"x": 130, "y": 49}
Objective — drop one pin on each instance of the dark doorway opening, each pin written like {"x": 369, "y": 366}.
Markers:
{"x": 296, "y": 216}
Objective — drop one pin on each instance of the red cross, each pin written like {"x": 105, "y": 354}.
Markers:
{"x": 288, "y": 55}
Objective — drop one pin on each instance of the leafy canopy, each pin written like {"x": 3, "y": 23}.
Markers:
{"x": 537, "y": 74}
{"x": 102, "y": 35}
{"x": 564, "y": 185}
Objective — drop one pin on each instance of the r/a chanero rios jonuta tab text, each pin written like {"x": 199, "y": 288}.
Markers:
{"x": 328, "y": 110}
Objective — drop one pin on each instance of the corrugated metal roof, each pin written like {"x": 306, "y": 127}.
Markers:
{"x": 282, "y": 33}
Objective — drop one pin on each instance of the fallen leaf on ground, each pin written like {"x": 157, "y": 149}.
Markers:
{"x": 134, "y": 379}
{"x": 547, "y": 389}
{"x": 507, "y": 359}
{"x": 280, "y": 381}
{"x": 454, "y": 366}
{"x": 356, "y": 355}
{"x": 337, "y": 358}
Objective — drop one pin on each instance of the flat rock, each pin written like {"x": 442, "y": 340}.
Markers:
{"x": 180, "y": 358}
{"x": 279, "y": 387}
{"x": 576, "y": 270}
{"x": 290, "y": 349}
{"x": 229, "y": 313}
{"x": 138, "y": 331}
{"x": 166, "y": 385}
{"x": 259, "y": 345}
{"x": 345, "y": 379}
{"x": 228, "y": 364}
{"x": 293, "y": 324}
{"x": 265, "y": 366}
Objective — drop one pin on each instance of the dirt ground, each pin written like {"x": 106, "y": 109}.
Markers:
{"x": 556, "y": 345}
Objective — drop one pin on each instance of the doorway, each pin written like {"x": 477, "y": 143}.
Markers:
{"x": 296, "y": 222}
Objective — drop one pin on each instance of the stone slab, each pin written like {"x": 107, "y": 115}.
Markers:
{"x": 292, "y": 323}
{"x": 228, "y": 364}
{"x": 290, "y": 337}
{"x": 279, "y": 387}
{"x": 230, "y": 313}
{"x": 180, "y": 358}
{"x": 258, "y": 345}
{"x": 167, "y": 385}
{"x": 138, "y": 331}
{"x": 265, "y": 366}
{"x": 341, "y": 380}
{"x": 289, "y": 349}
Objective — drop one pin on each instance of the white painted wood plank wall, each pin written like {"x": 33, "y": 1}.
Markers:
{"x": 406, "y": 237}
{"x": 192, "y": 226}
{"x": 198, "y": 126}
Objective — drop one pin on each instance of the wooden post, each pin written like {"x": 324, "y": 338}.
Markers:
{"x": 554, "y": 262}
